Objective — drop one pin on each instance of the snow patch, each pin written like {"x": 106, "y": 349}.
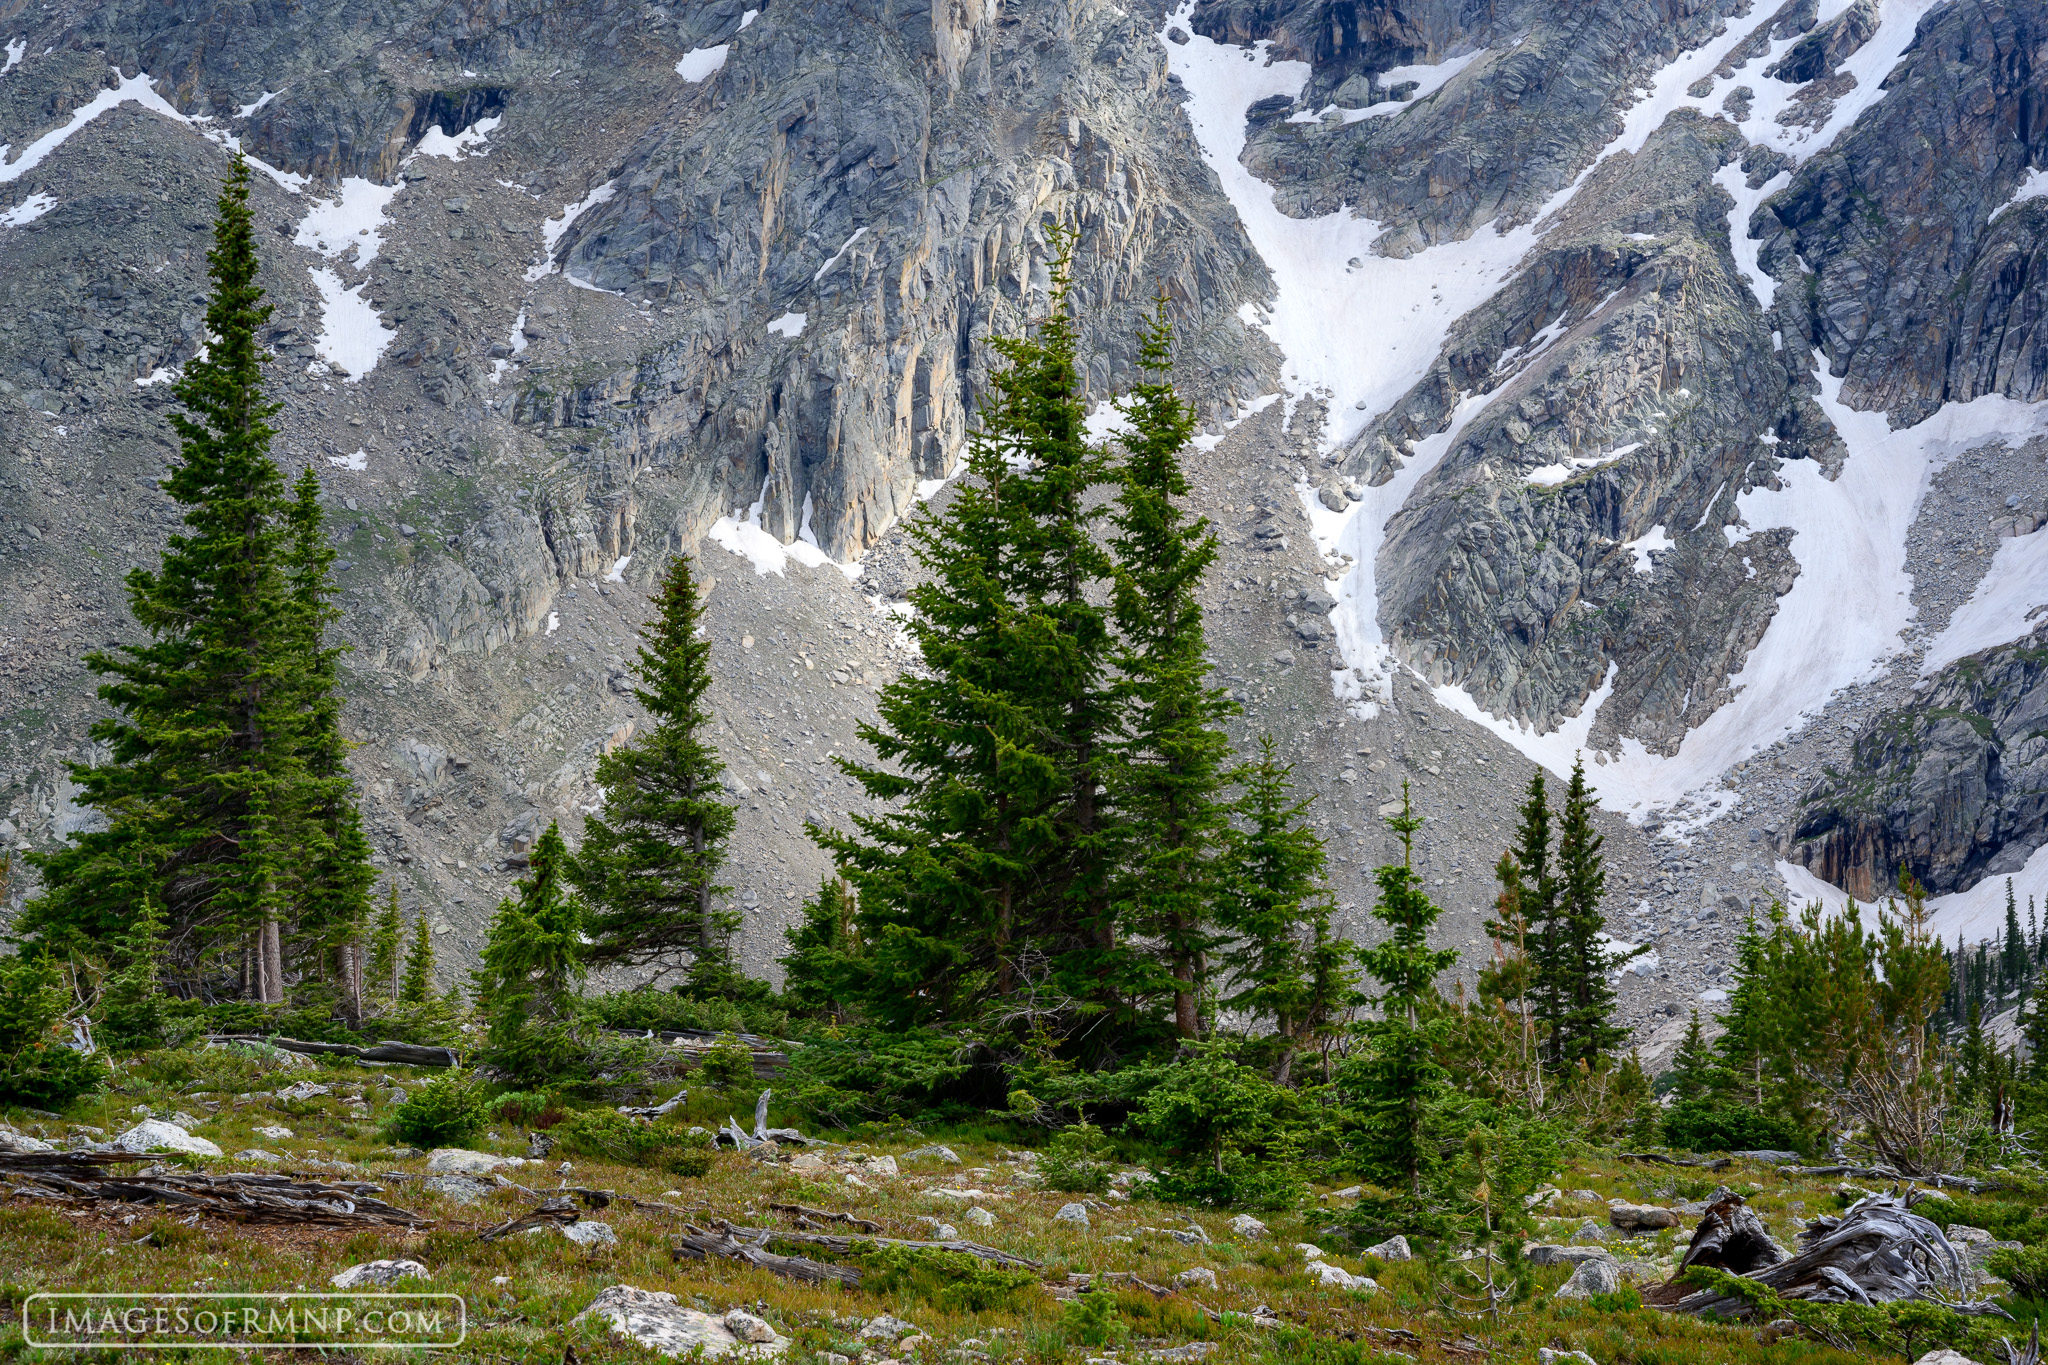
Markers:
{"x": 703, "y": 63}
{"x": 1746, "y": 248}
{"x": 844, "y": 247}
{"x": 352, "y": 337}
{"x": 551, "y": 231}
{"x": 617, "y": 572}
{"x": 15, "y": 52}
{"x": 159, "y": 375}
{"x": 1428, "y": 80}
{"x": 788, "y": 325}
{"x": 28, "y": 210}
{"x": 2035, "y": 186}
{"x": 438, "y": 143}
{"x": 261, "y": 100}
{"x": 136, "y": 89}
{"x": 1647, "y": 544}
{"x": 1973, "y": 915}
{"x": 352, "y": 220}
{"x": 554, "y": 622}
{"x": 749, "y": 17}
{"x": 1106, "y": 420}
{"x": 768, "y": 555}
{"x": 2011, "y": 601}
{"x": 1551, "y": 475}
{"x": 355, "y": 463}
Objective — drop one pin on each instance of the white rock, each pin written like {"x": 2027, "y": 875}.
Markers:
{"x": 1244, "y": 1225}
{"x": 1944, "y": 1356}
{"x": 304, "y": 1090}
{"x": 886, "y": 1328}
{"x": 21, "y": 1144}
{"x": 589, "y": 1233}
{"x": 656, "y": 1321}
{"x": 155, "y": 1135}
{"x": 258, "y": 1155}
{"x": 979, "y": 1217}
{"x": 880, "y": 1165}
{"x": 276, "y": 1132}
{"x": 1072, "y": 1213}
{"x": 378, "y": 1273}
{"x": 1348, "y": 1192}
{"x": 934, "y": 1152}
{"x": 1309, "y": 1250}
{"x": 748, "y": 1328}
{"x": 1600, "y": 1275}
{"x": 945, "y": 1232}
{"x": 461, "y": 1161}
{"x": 1546, "y": 1356}
{"x": 1197, "y": 1275}
{"x": 1337, "y": 1277}
{"x": 1395, "y": 1248}
{"x": 461, "y": 1188}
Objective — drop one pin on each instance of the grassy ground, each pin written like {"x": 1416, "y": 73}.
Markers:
{"x": 547, "y": 1280}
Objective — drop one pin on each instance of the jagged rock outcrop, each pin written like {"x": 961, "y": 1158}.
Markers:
{"x": 1953, "y": 788}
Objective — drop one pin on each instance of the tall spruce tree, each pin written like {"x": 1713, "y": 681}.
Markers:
{"x": 650, "y": 858}
{"x": 387, "y": 941}
{"x": 532, "y": 959}
{"x": 1527, "y": 881}
{"x": 1397, "y": 1080}
{"x": 225, "y": 796}
{"x": 1286, "y": 963}
{"x": 1167, "y": 775}
{"x": 1580, "y": 993}
{"x": 825, "y": 951}
{"x": 1692, "y": 1067}
{"x": 2013, "y": 960}
{"x": 989, "y": 875}
{"x": 418, "y": 986}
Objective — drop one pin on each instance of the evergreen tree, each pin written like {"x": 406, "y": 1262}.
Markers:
{"x": 533, "y": 952}
{"x": 989, "y": 875}
{"x": 824, "y": 961}
{"x": 1692, "y": 1068}
{"x": 1285, "y": 961}
{"x": 1974, "y": 1057}
{"x": 2014, "y": 960}
{"x": 1397, "y": 1081}
{"x": 225, "y": 796}
{"x": 131, "y": 1013}
{"x": 1532, "y": 887}
{"x": 387, "y": 939}
{"x": 1579, "y": 995}
{"x": 2034, "y": 1030}
{"x": 650, "y": 858}
{"x": 1742, "y": 1071}
{"x": 1167, "y": 776}
{"x": 1505, "y": 982}
{"x": 418, "y": 987}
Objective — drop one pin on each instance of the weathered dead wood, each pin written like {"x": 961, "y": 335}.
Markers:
{"x": 242, "y": 1197}
{"x": 1959, "y": 1182}
{"x": 1879, "y": 1251}
{"x": 555, "y": 1213}
{"x": 842, "y": 1245}
{"x": 825, "y": 1216}
{"x": 770, "y": 1055}
{"x": 405, "y": 1054}
{"x": 1717, "y": 1163}
{"x": 697, "y": 1244}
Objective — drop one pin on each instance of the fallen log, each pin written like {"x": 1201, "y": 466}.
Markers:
{"x": 554, "y": 1213}
{"x": 244, "y": 1197}
{"x": 824, "y": 1216}
{"x": 1879, "y": 1251}
{"x": 697, "y": 1244}
{"x": 404, "y": 1054}
{"x": 1960, "y": 1182}
{"x": 1717, "y": 1163}
{"x": 839, "y": 1245}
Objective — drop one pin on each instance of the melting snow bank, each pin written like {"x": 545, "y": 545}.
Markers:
{"x": 28, "y": 210}
{"x": 355, "y": 463}
{"x": 353, "y": 219}
{"x": 788, "y": 325}
{"x": 1426, "y": 79}
{"x": 1972, "y": 916}
{"x": 136, "y": 89}
{"x": 15, "y": 50}
{"x": 766, "y": 553}
{"x": 2011, "y": 601}
{"x": 438, "y": 143}
{"x": 352, "y": 337}
{"x": 551, "y": 231}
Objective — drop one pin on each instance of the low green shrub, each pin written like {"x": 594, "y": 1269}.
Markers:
{"x": 727, "y": 1066}
{"x": 526, "y": 1109}
{"x": 445, "y": 1112}
{"x": 607, "y": 1135}
{"x": 36, "y": 1067}
{"x": 952, "y": 1281}
{"x": 1703, "y": 1126}
{"x": 1093, "y": 1319}
{"x": 2026, "y": 1270}
{"x": 1076, "y": 1161}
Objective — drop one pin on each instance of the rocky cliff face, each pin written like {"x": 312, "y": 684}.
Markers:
{"x": 1547, "y": 355}
{"x": 1954, "y": 788}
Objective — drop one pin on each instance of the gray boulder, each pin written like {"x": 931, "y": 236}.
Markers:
{"x": 1599, "y": 1275}
{"x": 376, "y": 1274}
{"x": 656, "y": 1321}
{"x": 157, "y": 1135}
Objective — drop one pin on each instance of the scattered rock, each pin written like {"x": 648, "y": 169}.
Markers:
{"x": 156, "y": 1135}
{"x": 589, "y": 1233}
{"x": 1244, "y": 1225}
{"x": 1072, "y": 1213}
{"x": 1541, "y": 1253}
{"x": 1337, "y": 1277}
{"x": 1546, "y": 1356}
{"x": 933, "y": 1152}
{"x": 1597, "y": 1275}
{"x": 1395, "y": 1248}
{"x": 1349, "y": 1191}
{"x": 461, "y": 1161}
{"x": 748, "y": 1328}
{"x": 276, "y": 1132}
{"x": 656, "y": 1321}
{"x": 1176, "y": 1355}
{"x": 979, "y": 1217}
{"x": 1640, "y": 1218}
{"x": 1309, "y": 1251}
{"x": 375, "y": 1274}
{"x": 461, "y": 1188}
{"x": 21, "y": 1144}
{"x": 886, "y": 1328}
{"x": 258, "y": 1155}
{"x": 1196, "y": 1277}
{"x": 1589, "y": 1231}
{"x": 1944, "y": 1356}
